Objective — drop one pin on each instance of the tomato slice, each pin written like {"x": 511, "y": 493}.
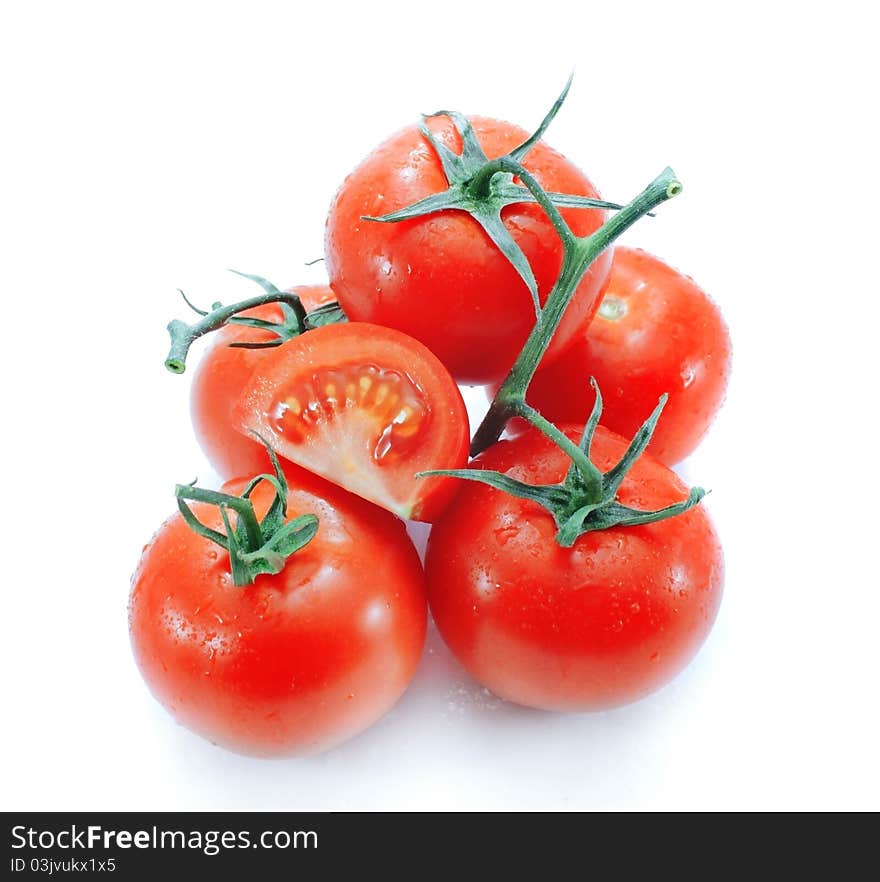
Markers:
{"x": 366, "y": 407}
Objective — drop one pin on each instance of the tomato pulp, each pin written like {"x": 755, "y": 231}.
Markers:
{"x": 366, "y": 407}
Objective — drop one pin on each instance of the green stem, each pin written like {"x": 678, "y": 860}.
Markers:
{"x": 586, "y": 499}
{"x": 242, "y": 507}
{"x": 254, "y": 546}
{"x": 592, "y": 477}
{"x": 579, "y": 254}
{"x": 480, "y": 185}
{"x": 184, "y": 335}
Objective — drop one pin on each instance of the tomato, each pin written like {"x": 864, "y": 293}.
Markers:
{"x": 593, "y": 626}
{"x": 655, "y": 332}
{"x": 440, "y": 278}
{"x": 365, "y": 407}
{"x": 218, "y": 382}
{"x": 219, "y": 379}
{"x": 297, "y": 661}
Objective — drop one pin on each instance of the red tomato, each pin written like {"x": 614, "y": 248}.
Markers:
{"x": 365, "y": 407}
{"x": 218, "y": 382}
{"x": 655, "y": 332}
{"x": 297, "y": 661}
{"x": 593, "y": 626}
{"x": 439, "y": 278}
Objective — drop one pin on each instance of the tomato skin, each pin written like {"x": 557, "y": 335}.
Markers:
{"x": 585, "y": 628}
{"x": 219, "y": 379}
{"x": 296, "y": 662}
{"x": 338, "y": 438}
{"x": 671, "y": 339}
{"x": 439, "y": 278}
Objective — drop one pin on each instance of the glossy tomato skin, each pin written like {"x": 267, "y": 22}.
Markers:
{"x": 656, "y": 331}
{"x": 439, "y": 278}
{"x": 594, "y": 626}
{"x": 296, "y": 662}
{"x": 218, "y": 381}
{"x": 365, "y": 407}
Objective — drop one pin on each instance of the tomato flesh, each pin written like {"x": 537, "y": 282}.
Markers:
{"x": 365, "y": 407}
{"x": 385, "y": 404}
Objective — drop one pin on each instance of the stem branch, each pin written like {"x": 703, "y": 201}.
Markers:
{"x": 479, "y": 186}
{"x": 579, "y": 254}
{"x": 184, "y": 335}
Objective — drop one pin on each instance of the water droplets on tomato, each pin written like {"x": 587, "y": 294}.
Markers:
{"x": 506, "y": 533}
{"x": 385, "y": 266}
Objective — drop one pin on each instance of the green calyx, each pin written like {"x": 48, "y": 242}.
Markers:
{"x": 586, "y": 499}
{"x": 294, "y": 321}
{"x": 254, "y": 546}
{"x": 483, "y": 190}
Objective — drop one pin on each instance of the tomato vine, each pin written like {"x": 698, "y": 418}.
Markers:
{"x": 294, "y": 321}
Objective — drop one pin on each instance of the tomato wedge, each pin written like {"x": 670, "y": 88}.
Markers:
{"x": 366, "y": 407}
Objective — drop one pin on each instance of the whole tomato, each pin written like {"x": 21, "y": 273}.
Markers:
{"x": 440, "y": 278}
{"x": 297, "y": 661}
{"x": 593, "y": 626}
{"x": 219, "y": 379}
{"x": 655, "y": 331}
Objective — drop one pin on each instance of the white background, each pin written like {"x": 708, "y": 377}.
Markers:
{"x": 150, "y": 146}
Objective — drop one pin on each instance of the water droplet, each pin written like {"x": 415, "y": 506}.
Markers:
{"x": 612, "y": 308}
{"x": 505, "y": 534}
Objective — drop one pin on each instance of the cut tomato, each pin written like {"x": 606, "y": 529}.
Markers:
{"x": 366, "y": 407}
